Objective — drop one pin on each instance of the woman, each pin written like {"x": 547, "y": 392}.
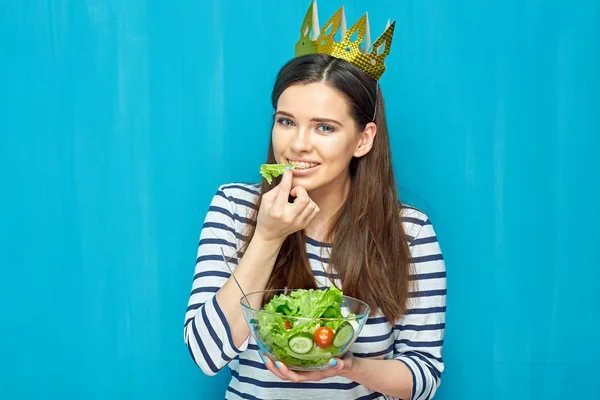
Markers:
{"x": 345, "y": 225}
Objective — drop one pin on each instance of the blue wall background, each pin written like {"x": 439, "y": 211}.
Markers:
{"x": 119, "y": 119}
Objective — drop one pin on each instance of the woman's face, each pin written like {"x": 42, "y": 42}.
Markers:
{"x": 313, "y": 131}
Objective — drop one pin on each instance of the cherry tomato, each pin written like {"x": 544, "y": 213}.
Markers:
{"x": 323, "y": 337}
{"x": 287, "y": 325}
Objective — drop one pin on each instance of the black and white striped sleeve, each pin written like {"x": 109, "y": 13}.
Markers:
{"x": 206, "y": 331}
{"x": 419, "y": 336}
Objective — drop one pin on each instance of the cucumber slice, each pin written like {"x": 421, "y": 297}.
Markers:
{"x": 301, "y": 343}
{"x": 343, "y": 334}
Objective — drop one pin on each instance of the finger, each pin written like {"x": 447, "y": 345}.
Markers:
{"x": 271, "y": 195}
{"x": 284, "y": 187}
{"x": 338, "y": 366}
{"x": 313, "y": 213}
{"x": 302, "y": 200}
{"x": 271, "y": 367}
{"x": 336, "y": 363}
{"x": 295, "y": 189}
{"x": 308, "y": 211}
{"x": 291, "y": 375}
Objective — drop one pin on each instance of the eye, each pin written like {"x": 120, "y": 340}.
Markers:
{"x": 326, "y": 128}
{"x": 285, "y": 122}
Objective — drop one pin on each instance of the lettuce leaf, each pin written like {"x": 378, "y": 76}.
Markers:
{"x": 308, "y": 303}
{"x": 270, "y": 171}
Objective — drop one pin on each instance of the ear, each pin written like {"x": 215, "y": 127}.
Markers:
{"x": 365, "y": 142}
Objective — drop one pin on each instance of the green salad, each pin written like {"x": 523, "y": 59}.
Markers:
{"x": 270, "y": 171}
{"x": 305, "y": 342}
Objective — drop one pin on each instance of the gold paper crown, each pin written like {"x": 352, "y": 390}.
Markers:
{"x": 370, "y": 62}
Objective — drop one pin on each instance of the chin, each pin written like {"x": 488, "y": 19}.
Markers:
{"x": 307, "y": 184}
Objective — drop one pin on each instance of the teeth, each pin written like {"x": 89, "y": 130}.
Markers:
{"x": 303, "y": 165}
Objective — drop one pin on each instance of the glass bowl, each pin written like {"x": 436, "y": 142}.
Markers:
{"x": 303, "y": 344}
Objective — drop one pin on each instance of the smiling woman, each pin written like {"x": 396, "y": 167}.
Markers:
{"x": 345, "y": 228}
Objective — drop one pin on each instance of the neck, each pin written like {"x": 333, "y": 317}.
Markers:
{"x": 330, "y": 199}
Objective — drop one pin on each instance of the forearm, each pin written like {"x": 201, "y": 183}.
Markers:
{"x": 390, "y": 377}
{"x": 253, "y": 272}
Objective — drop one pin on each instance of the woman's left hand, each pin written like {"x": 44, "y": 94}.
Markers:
{"x": 336, "y": 367}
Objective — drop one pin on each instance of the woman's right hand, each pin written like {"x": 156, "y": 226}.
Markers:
{"x": 277, "y": 218}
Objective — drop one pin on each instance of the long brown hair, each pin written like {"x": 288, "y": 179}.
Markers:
{"x": 369, "y": 246}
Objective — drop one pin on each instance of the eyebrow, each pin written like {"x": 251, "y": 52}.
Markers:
{"x": 328, "y": 120}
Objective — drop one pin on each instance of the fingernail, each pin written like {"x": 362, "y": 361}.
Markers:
{"x": 288, "y": 168}
{"x": 333, "y": 362}
{"x": 264, "y": 360}
{"x": 278, "y": 364}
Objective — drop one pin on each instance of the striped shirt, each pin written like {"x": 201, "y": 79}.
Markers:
{"x": 416, "y": 339}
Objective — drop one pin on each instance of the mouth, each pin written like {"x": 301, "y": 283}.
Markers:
{"x": 303, "y": 168}
{"x": 303, "y": 165}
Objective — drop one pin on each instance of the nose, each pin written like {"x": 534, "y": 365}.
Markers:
{"x": 301, "y": 142}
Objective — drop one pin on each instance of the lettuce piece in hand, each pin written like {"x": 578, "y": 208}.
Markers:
{"x": 270, "y": 171}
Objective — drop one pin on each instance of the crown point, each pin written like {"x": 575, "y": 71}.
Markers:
{"x": 343, "y": 22}
{"x": 353, "y": 45}
{"x": 367, "y": 44}
{"x": 316, "y": 31}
